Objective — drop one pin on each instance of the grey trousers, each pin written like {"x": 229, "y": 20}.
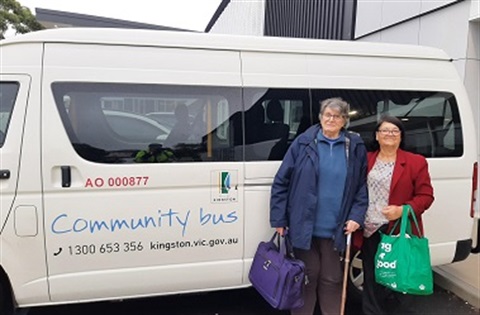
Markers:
{"x": 324, "y": 272}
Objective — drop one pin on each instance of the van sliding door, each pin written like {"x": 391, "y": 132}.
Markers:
{"x": 143, "y": 193}
{"x": 277, "y": 109}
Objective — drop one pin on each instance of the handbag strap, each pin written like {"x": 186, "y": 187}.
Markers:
{"x": 276, "y": 240}
{"x": 288, "y": 246}
{"x": 285, "y": 247}
{"x": 414, "y": 217}
{"x": 395, "y": 225}
{"x": 405, "y": 225}
{"x": 404, "y": 222}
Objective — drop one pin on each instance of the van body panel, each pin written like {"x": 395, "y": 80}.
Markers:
{"x": 21, "y": 192}
{"x": 96, "y": 222}
{"x": 187, "y": 40}
{"x": 168, "y": 65}
{"x": 360, "y": 72}
{"x": 148, "y": 281}
{"x": 133, "y": 221}
{"x": 333, "y": 71}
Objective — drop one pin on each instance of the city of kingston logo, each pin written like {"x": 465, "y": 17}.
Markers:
{"x": 224, "y": 182}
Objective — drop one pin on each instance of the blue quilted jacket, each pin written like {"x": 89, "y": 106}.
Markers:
{"x": 293, "y": 201}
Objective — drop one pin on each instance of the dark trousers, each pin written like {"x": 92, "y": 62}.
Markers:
{"x": 377, "y": 299}
{"x": 324, "y": 272}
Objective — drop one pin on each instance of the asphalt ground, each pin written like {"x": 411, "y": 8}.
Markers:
{"x": 235, "y": 302}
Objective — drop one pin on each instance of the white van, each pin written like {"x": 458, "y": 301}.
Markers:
{"x": 94, "y": 210}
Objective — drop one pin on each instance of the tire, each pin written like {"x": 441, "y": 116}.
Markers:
{"x": 6, "y": 306}
{"x": 355, "y": 277}
{"x": 3, "y": 306}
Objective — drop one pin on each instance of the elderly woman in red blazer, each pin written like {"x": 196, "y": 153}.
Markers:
{"x": 395, "y": 178}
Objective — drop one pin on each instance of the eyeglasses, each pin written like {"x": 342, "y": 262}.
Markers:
{"x": 385, "y": 132}
{"x": 330, "y": 116}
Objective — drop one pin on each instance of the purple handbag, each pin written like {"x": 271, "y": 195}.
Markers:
{"x": 277, "y": 275}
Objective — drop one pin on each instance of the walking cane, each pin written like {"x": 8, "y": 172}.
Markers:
{"x": 345, "y": 274}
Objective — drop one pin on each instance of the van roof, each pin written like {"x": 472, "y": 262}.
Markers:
{"x": 155, "y": 38}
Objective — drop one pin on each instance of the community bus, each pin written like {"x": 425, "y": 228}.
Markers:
{"x": 138, "y": 163}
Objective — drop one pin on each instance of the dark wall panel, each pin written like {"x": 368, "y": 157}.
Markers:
{"x": 322, "y": 19}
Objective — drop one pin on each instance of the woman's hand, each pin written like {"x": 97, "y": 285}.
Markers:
{"x": 392, "y": 212}
{"x": 280, "y": 230}
{"x": 351, "y": 226}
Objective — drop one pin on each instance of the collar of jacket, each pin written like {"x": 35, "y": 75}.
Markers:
{"x": 401, "y": 158}
{"x": 309, "y": 137}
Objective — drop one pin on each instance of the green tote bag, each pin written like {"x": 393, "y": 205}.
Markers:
{"x": 402, "y": 262}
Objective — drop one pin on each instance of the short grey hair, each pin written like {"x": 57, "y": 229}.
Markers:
{"x": 338, "y": 104}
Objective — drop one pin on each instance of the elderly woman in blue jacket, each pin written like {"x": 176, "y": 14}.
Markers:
{"x": 320, "y": 194}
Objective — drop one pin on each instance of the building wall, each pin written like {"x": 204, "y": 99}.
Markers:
{"x": 241, "y": 17}
{"x": 453, "y": 26}
{"x": 475, "y": 11}
{"x": 325, "y": 19}
{"x": 430, "y": 30}
{"x": 375, "y": 15}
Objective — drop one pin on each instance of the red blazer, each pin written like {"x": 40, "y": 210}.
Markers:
{"x": 410, "y": 185}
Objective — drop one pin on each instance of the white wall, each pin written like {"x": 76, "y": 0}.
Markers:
{"x": 475, "y": 11}
{"x": 241, "y": 17}
{"x": 374, "y": 15}
{"x": 472, "y": 69}
{"x": 456, "y": 30}
{"x": 431, "y": 30}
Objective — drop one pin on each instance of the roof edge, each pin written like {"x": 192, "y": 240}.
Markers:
{"x": 192, "y": 40}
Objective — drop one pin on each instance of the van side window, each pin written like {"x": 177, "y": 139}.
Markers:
{"x": 273, "y": 118}
{"x": 144, "y": 123}
{"x": 8, "y": 95}
{"x": 431, "y": 119}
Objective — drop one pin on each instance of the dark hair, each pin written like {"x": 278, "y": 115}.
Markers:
{"x": 393, "y": 120}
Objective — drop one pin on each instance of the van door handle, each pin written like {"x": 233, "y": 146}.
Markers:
{"x": 4, "y": 174}
{"x": 66, "y": 176}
